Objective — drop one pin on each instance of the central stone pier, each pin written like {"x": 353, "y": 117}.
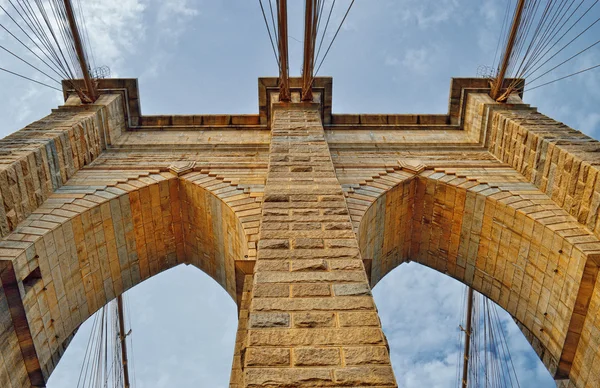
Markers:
{"x": 312, "y": 321}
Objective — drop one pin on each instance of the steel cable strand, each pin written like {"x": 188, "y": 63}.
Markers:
{"x": 29, "y": 64}
{"x": 503, "y": 30}
{"x": 87, "y": 351}
{"x": 517, "y": 38}
{"x": 269, "y": 32}
{"x": 555, "y": 31}
{"x": 275, "y": 28}
{"x": 86, "y": 36}
{"x": 531, "y": 38}
{"x": 496, "y": 361}
{"x": 325, "y": 30}
{"x": 540, "y": 24}
{"x": 66, "y": 35}
{"x": 542, "y": 55}
{"x": 321, "y": 6}
{"x": 507, "y": 348}
{"x": 52, "y": 66}
{"x": 58, "y": 46}
{"x": 461, "y": 314}
{"x": 314, "y": 34}
{"x": 565, "y": 61}
{"x": 549, "y": 25}
{"x": 530, "y": 73}
{"x": 565, "y": 77}
{"x": 29, "y": 18}
{"x": 33, "y": 17}
{"x": 31, "y": 25}
{"x": 27, "y": 78}
{"x": 333, "y": 40}
{"x": 127, "y": 306}
{"x": 522, "y": 34}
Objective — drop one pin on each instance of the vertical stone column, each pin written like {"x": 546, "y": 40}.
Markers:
{"x": 312, "y": 320}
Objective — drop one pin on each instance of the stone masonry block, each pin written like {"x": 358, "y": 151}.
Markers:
{"x": 359, "y": 289}
{"x": 264, "y": 320}
{"x": 316, "y": 356}
{"x": 313, "y": 319}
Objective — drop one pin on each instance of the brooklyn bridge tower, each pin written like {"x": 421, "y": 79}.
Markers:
{"x": 297, "y": 212}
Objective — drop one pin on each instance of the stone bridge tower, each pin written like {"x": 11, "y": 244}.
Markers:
{"x": 297, "y": 213}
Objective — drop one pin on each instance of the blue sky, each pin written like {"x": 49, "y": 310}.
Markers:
{"x": 392, "y": 56}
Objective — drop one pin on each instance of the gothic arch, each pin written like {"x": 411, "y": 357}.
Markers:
{"x": 510, "y": 242}
{"x": 98, "y": 236}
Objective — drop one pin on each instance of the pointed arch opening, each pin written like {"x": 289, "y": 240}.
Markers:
{"x": 421, "y": 310}
{"x": 171, "y": 342}
{"x": 90, "y": 243}
{"x": 510, "y": 243}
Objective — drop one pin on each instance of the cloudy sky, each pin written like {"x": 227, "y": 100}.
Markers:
{"x": 392, "y": 56}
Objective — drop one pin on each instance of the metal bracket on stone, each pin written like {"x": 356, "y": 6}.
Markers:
{"x": 181, "y": 168}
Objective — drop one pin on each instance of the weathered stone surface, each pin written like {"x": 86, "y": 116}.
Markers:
{"x": 317, "y": 356}
{"x": 365, "y": 376}
{"x": 302, "y": 290}
{"x": 364, "y": 355}
{"x": 308, "y": 265}
{"x": 258, "y": 320}
{"x": 309, "y": 243}
{"x": 268, "y": 356}
{"x": 288, "y": 377}
{"x": 314, "y": 319}
{"x": 308, "y": 337}
{"x": 296, "y": 221}
{"x": 359, "y": 289}
{"x": 271, "y": 291}
{"x": 358, "y": 319}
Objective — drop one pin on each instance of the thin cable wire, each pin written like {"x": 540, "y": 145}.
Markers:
{"x": 269, "y": 32}
{"x": 325, "y": 30}
{"x": 275, "y": 26}
{"x": 550, "y": 30}
{"x": 565, "y": 46}
{"x": 29, "y": 64}
{"x": 503, "y": 30}
{"x": 127, "y": 306}
{"x": 565, "y": 77}
{"x": 504, "y": 343}
{"x": 565, "y": 61}
{"x": 56, "y": 68}
{"x": 30, "y": 79}
{"x": 541, "y": 57}
{"x": 333, "y": 40}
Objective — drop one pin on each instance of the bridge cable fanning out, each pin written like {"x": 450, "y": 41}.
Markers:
{"x": 274, "y": 27}
{"x": 314, "y": 38}
{"x": 537, "y": 39}
{"x": 105, "y": 363}
{"x": 55, "y": 33}
{"x": 486, "y": 361}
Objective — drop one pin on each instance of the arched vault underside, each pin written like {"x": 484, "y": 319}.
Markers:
{"x": 105, "y": 232}
{"x": 493, "y": 231}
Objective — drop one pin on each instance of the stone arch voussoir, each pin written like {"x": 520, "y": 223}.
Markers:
{"x": 103, "y": 233}
{"x": 501, "y": 236}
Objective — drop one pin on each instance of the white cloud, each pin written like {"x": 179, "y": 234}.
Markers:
{"x": 429, "y": 13}
{"x": 421, "y": 310}
{"x": 116, "y": 29}
{"x": 418, "y": 60}
{"x": 175, "y": 9}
